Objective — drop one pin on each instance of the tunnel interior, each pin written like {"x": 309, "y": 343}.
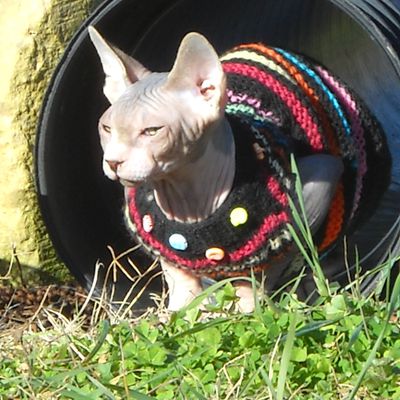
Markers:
{"x": 82, "y": 208}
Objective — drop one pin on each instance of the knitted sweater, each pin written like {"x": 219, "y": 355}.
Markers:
{"x": 278, "y": 103}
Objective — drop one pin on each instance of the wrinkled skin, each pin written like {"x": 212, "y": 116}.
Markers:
{"x": 169, "y": 130}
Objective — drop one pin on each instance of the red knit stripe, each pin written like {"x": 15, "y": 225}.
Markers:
{"x": 269, "y": 224}
{"x": 298, "y": 76}
{"x": 275, "y": 189}
{"x": 299, "y": 112}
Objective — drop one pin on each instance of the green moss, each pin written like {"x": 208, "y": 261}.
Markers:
{"x": 35, "y": 68}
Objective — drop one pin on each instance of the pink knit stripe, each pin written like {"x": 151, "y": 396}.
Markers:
{"x": 269, "y": 224}
{"x": 275, "y": 189}
{"x": 300, "y": 113}
{"x": 242, "y": 98}
{"x": 351, "y": 107}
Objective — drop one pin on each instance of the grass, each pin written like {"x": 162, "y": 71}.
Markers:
{"x": 343, "y": 346}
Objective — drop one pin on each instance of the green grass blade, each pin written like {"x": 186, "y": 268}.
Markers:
{"x": 104, "y": 391}
{"x": 299, "y": 193}
{"x": 310, "y": 252}
{"x": 287, "y": 350}
{"x": 104, "y": 330}
{"x": 314, "y": 327}
{"x": 139, "y": 396}
{"x": 354, "y": 336}
{"x": 75, "y": 393}
{"x": 268, "y": 382}
{"x": 260, "y": 371}
{"x": 300, "y": 245}
{"x": 313, "y": 262}
{"x": 133, "y": 394}
{"x": 204, "y": 294}
{"x": 368, "y": 363}
{"x": 257, "y": 308}
{"x": 197, "y": 395}
{"x": 393, "y": 304}
{"x": 395, "y": 298}
{"x": 201, "y": 326}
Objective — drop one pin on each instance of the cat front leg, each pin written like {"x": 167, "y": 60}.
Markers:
{"x": 244, "y": 291}
{"x": 183, "y": 286}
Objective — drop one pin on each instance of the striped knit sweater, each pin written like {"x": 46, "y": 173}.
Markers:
{"x": 278, "y": 103}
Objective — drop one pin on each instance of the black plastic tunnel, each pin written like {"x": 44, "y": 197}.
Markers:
{"x": 358, "y": 40}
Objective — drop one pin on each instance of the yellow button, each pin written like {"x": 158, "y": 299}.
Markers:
{"x": 215, "y": 254}
{"x": 239, "y": 216}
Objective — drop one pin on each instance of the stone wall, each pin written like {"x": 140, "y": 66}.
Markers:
{"x": 33, "y": 36}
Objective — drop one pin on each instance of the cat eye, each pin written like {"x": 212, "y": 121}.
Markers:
{"x": 152, "y": 131}
{"x": 106, "y": 128}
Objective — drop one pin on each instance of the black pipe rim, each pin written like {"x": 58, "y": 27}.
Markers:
{"x": 84, "y": 274}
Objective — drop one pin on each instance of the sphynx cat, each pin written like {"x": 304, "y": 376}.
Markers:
{"x": 169, "y": 130}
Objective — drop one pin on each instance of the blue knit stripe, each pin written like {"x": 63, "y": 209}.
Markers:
{"x": 318, "y": 80}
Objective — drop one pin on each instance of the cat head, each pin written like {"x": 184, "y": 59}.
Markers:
{"x": 158, "y": 122}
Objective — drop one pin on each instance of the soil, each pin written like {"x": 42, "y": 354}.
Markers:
{"x": 19, "y": 306}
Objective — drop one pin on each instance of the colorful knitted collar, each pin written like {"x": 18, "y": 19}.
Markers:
{"x": 247, "y": 231}
{"x": 286, "y": 104}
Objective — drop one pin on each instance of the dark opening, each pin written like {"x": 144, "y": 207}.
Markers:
{"x": 357, "y": 40}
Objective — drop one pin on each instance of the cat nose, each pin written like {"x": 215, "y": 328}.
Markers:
{"x": 113, "y": 165}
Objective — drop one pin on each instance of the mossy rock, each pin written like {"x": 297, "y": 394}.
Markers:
{"x": 33, "y": 36}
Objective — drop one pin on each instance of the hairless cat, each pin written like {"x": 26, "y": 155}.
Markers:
{"x": 170, "y": 132}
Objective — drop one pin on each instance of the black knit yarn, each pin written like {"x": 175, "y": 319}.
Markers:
{"x": 286, "y": 104}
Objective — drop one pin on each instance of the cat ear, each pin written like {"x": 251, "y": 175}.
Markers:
{"x": 120, "y": 69}
{"x": 197, "y": 66}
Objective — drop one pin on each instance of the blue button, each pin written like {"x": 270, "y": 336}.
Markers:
{"x": 178, "y": 242}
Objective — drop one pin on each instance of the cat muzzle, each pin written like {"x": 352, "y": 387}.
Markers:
{"x": 113, "y": 165}
{"x": 128, "y": 183}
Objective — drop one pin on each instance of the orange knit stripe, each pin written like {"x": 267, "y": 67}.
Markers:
{"x": 335, "y": 219}
{"x": 293, "y": 71}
